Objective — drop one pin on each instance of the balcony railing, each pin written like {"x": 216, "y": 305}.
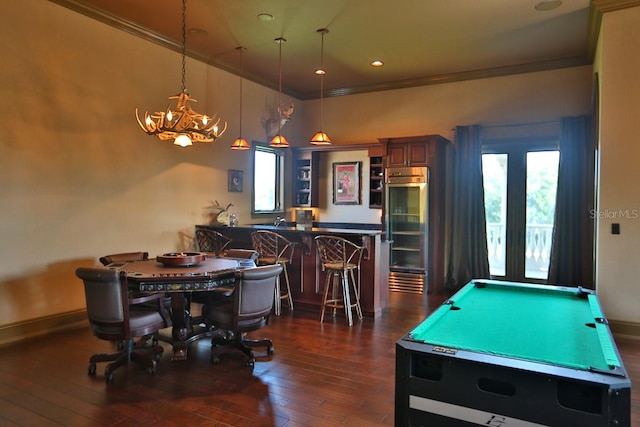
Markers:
{"x": 537, "y": 250}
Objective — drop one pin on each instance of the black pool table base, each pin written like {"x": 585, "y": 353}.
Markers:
{"x": 437, "y": 388}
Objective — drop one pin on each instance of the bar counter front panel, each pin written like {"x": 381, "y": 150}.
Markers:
{"x": 305, "y": 272}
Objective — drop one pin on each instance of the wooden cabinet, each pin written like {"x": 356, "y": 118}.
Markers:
{"x": 376, "y": 177}
{"x": 407, "y": 154}
{"x": 430, "y": 151}
{"x": 305, "y": 178}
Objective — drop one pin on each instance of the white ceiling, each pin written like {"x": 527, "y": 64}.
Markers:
{"x": 420, "y": 41}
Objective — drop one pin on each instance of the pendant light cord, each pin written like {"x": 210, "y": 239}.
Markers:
{"x": 280, "y": 40}
{"x": 241, "y": 74}
{"x": 323, "y": 32}
{"x": 184, "y": 46}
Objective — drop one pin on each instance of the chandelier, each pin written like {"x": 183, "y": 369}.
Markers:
{"x": 321, "y": 138}
{"x": 180, "y": 122}
{"x": 279, "y": 141}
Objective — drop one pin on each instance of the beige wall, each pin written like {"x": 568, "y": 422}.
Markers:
{"x": 81, "y": 180}
{"x": 437, "y": 109}
{"x": 618, "y": 256}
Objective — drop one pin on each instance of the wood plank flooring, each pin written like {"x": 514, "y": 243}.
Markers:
{"x": 321, "y": 375}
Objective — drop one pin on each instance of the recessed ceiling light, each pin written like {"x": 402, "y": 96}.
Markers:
{"x": 265, "y": 17}
{"x": 548, "y": 5}
{"x": 377, "y": 63}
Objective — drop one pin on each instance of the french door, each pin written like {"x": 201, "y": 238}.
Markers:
{"x": 520, "y": 181}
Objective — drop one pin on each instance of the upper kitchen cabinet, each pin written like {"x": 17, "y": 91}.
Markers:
{"x": 305, "y": 178}
{"x": 411, "y": 151}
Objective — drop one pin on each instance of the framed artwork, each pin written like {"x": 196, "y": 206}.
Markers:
{"x": 235, "y": 181}
{"x": 346, "y": 183}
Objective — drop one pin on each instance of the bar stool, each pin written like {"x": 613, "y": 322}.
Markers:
{"x": 211, "y": 241}
{"x": 273, "y": 248}
{"x": 340, "y": 258}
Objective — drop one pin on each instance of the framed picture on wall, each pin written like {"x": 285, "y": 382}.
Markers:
{"x": 235, "y": 181}
{"x": 346, "y": 183}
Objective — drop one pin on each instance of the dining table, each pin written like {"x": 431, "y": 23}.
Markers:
{"x": 177, "y": 275}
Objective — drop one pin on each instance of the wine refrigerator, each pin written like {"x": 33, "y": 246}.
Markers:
{"x": 406, "y": 212}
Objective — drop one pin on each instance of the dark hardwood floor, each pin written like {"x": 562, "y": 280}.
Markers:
{"x": 320, "y": 375}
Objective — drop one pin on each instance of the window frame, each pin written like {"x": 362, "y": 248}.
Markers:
{"x": 279, "y": 180}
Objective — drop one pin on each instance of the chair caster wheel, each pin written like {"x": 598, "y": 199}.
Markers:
{"x": 270, "y": 350}
{"x": 92, "y": 369}
{"x": 251, "y": 363}
{"x": 109, "y": 377}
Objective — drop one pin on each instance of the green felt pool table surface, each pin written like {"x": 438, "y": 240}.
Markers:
{"x": 562, "y": 326}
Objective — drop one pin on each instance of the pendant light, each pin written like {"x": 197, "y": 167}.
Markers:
{"x": 181, "y": 123}
{"x": 279, "y": 141}
{"x": 321, "y": 138}
{"x": 240, "y": 143}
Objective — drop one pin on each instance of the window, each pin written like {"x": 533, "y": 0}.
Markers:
{"x": 268, "y": 179}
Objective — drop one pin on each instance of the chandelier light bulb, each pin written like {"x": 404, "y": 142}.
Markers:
{"x": 183, "y": 140}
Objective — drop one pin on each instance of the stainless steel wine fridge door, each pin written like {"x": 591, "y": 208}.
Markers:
{"x": 407, "y": 228}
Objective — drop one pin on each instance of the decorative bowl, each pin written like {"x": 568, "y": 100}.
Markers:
{"x": 181, "y": 259}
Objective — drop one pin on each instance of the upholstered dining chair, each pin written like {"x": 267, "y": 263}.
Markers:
{"x": 246, "y": 259}
{"x": 340, "y": 258}
{"x": 113, "y": 317}
{"x": 273, "y": 248}
{"x": 248, "y": 254}
{"x": 124, "y": 257}
{"x": 211, "y": 241}
{"x": 246, "y": 309}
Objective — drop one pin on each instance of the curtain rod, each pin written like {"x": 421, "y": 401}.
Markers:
{"x": 549, "y": 122}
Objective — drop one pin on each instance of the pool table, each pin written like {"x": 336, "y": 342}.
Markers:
{"x": 512, "y": 354}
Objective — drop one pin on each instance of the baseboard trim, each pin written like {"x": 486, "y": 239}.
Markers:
{"x": 626, "y": 329}
{"x": 20, "y": 331}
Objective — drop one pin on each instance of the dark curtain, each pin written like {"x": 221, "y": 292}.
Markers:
{"x": 468, "y": 257}
{"x": 571, "y": 259}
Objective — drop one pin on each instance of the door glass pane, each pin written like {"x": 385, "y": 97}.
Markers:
{"x": 542, "y": 182}
{"x": 407, "y": 227}
{"x": 494, "y": 173}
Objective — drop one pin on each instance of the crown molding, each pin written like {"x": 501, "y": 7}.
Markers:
{"x": 153, "y": 37}
{"x": 530, "y": 67}
{"x": 596, "y": 10}
{"x": 611, "y": 5}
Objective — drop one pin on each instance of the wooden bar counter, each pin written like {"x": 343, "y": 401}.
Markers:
{"x": 305, "y": 273}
